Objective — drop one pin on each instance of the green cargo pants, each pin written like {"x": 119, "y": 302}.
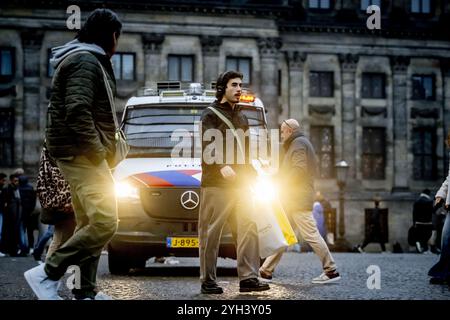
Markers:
{"x": 95, "y": 207}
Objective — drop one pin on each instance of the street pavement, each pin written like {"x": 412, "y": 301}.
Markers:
{"x": 401, "y": 277}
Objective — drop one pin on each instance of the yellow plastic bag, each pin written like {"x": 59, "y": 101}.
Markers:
{"x": 284, "y": 223}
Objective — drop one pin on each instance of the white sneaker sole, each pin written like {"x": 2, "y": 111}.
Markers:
{"x": 327, "y": 281}
{"x": 29, "y": 278}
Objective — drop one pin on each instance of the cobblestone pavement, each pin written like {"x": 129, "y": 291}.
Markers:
{"x": 403, "y": 277}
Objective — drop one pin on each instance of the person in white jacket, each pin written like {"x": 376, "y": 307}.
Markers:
{"x": 440, "y": 272}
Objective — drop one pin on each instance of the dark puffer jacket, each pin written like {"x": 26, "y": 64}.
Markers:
{"x": 79, "y": 119}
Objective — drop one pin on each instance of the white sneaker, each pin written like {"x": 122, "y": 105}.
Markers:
{"x": 99, "y": 296}
{"x": 419, "y": 247}
{"x": 42, "y": 286}
{"x": 2, "y": 255}
{"x": 102, "y": 296}
{"x": 327, "y": 278}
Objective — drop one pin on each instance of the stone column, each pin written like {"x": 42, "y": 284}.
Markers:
{"x": 32, "y": 139}
{"x": 295, "y": 63}
{"x": 269, "y": 52}
{"x": 152, "y": 57}
{"x": 349, "y": 63}
{"x": 401, "y": 166}
{"x": 210, "y": 50}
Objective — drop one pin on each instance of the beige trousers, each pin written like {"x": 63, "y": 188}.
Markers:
{"x": 218, "y": 206}
{"x": 63, "y": 231}
{"x": 303, "y": 222}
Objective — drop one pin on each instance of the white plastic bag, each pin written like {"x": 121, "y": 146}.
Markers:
{"x": 271, "y": 238}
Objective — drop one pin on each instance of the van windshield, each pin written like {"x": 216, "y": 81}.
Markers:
{"x": 150, "y": 129}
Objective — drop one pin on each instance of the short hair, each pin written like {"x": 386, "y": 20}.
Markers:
{"x": 98, "y": 28}
{"x": 427, "y": 191}
{"x": 13, "y": 176}
{"x": 2, "y": 175}
{"x": 222, "y": 80}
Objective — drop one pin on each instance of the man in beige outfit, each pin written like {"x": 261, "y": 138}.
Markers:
{"x": 297, "y": 173}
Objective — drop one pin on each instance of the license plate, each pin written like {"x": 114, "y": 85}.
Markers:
{"x": 179, "y": 242}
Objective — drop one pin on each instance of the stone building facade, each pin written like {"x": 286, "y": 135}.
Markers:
{"x": 379, "y": 99}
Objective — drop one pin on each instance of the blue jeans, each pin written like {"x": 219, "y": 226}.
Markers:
{"x": 1, "y": 226}
{"x": 442, "y": 268}
{"x": 40, "y": 246}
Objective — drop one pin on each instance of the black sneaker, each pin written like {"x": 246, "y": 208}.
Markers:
{"x": 252, "y": 284}
{"x": 211, "y": 288}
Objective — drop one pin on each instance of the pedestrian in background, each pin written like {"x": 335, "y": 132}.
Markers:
{"x": 13, "y": 220}
{"x": 440, "y": 272}
{"x": 319, "y": 216}
{"x": 297, "y": 173}
{"x": 422, "y": 220}
{"x": 80, "y": 135}
{"x": 29, "y": 219}
{"x": 374, "y": 233}
{"x": 2, "y": 209}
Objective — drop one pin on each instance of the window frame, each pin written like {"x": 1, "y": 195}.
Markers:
{"x": 180, "y": 56}
{"x": 370, "y": 76}
{"x": 422, "y": 130}
{"x": 373, "y": 154}
{"x": 121, "y": 54}
{"x": 318, "y": 151}
{"x": 433, "y": 79}
{"x": 320, "y": 9}
{"x": 8, "y": 78}
{"x": 420, "y": 12}
{"x": 320, "y": 86}
{"x": 370, "y": 4}
{"x": 239, "y": 58}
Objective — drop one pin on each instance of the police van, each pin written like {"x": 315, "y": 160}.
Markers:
{"x": 158, "y": 194}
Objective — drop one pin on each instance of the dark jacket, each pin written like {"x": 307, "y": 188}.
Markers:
{"x": 423, "y": 209}
{"x": 27, "y": 196}
{"x": 211, "y": 176}
{"x": 79, "y": 118}
{"x": 297, "y": 173}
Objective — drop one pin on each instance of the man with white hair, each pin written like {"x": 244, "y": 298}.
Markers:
{"x": 297, "y": 173}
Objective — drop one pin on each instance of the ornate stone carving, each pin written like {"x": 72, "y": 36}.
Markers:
{"x": 424, "y": 113}
{"x": 322, "y": 110}
{"x": 373, "y": 112}
{"x": 295, "y": 59}
{"x": 210, "y": 44}
{"x": 400, "y": 63}
{"x": 348, "y": 61}
{"x": 269, "y": 46}
{"x": 152, "y": 42}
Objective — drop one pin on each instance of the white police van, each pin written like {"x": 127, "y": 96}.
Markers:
{"x": 158, "y": 195}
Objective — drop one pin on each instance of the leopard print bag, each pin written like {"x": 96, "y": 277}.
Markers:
{"x": 52, "y": 190}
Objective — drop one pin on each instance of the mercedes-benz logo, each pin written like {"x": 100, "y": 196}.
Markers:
{"x": 190, "y": 200}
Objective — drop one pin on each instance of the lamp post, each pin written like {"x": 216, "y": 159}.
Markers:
{"x": 341, "y": 175}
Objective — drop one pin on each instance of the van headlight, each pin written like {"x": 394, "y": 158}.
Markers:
{"x": 126, "y": 190}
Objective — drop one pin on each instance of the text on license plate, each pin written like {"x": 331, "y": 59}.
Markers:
{"x": 179, "y": 242}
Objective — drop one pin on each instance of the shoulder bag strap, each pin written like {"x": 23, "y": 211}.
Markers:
{"x": 231, "y": 126}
